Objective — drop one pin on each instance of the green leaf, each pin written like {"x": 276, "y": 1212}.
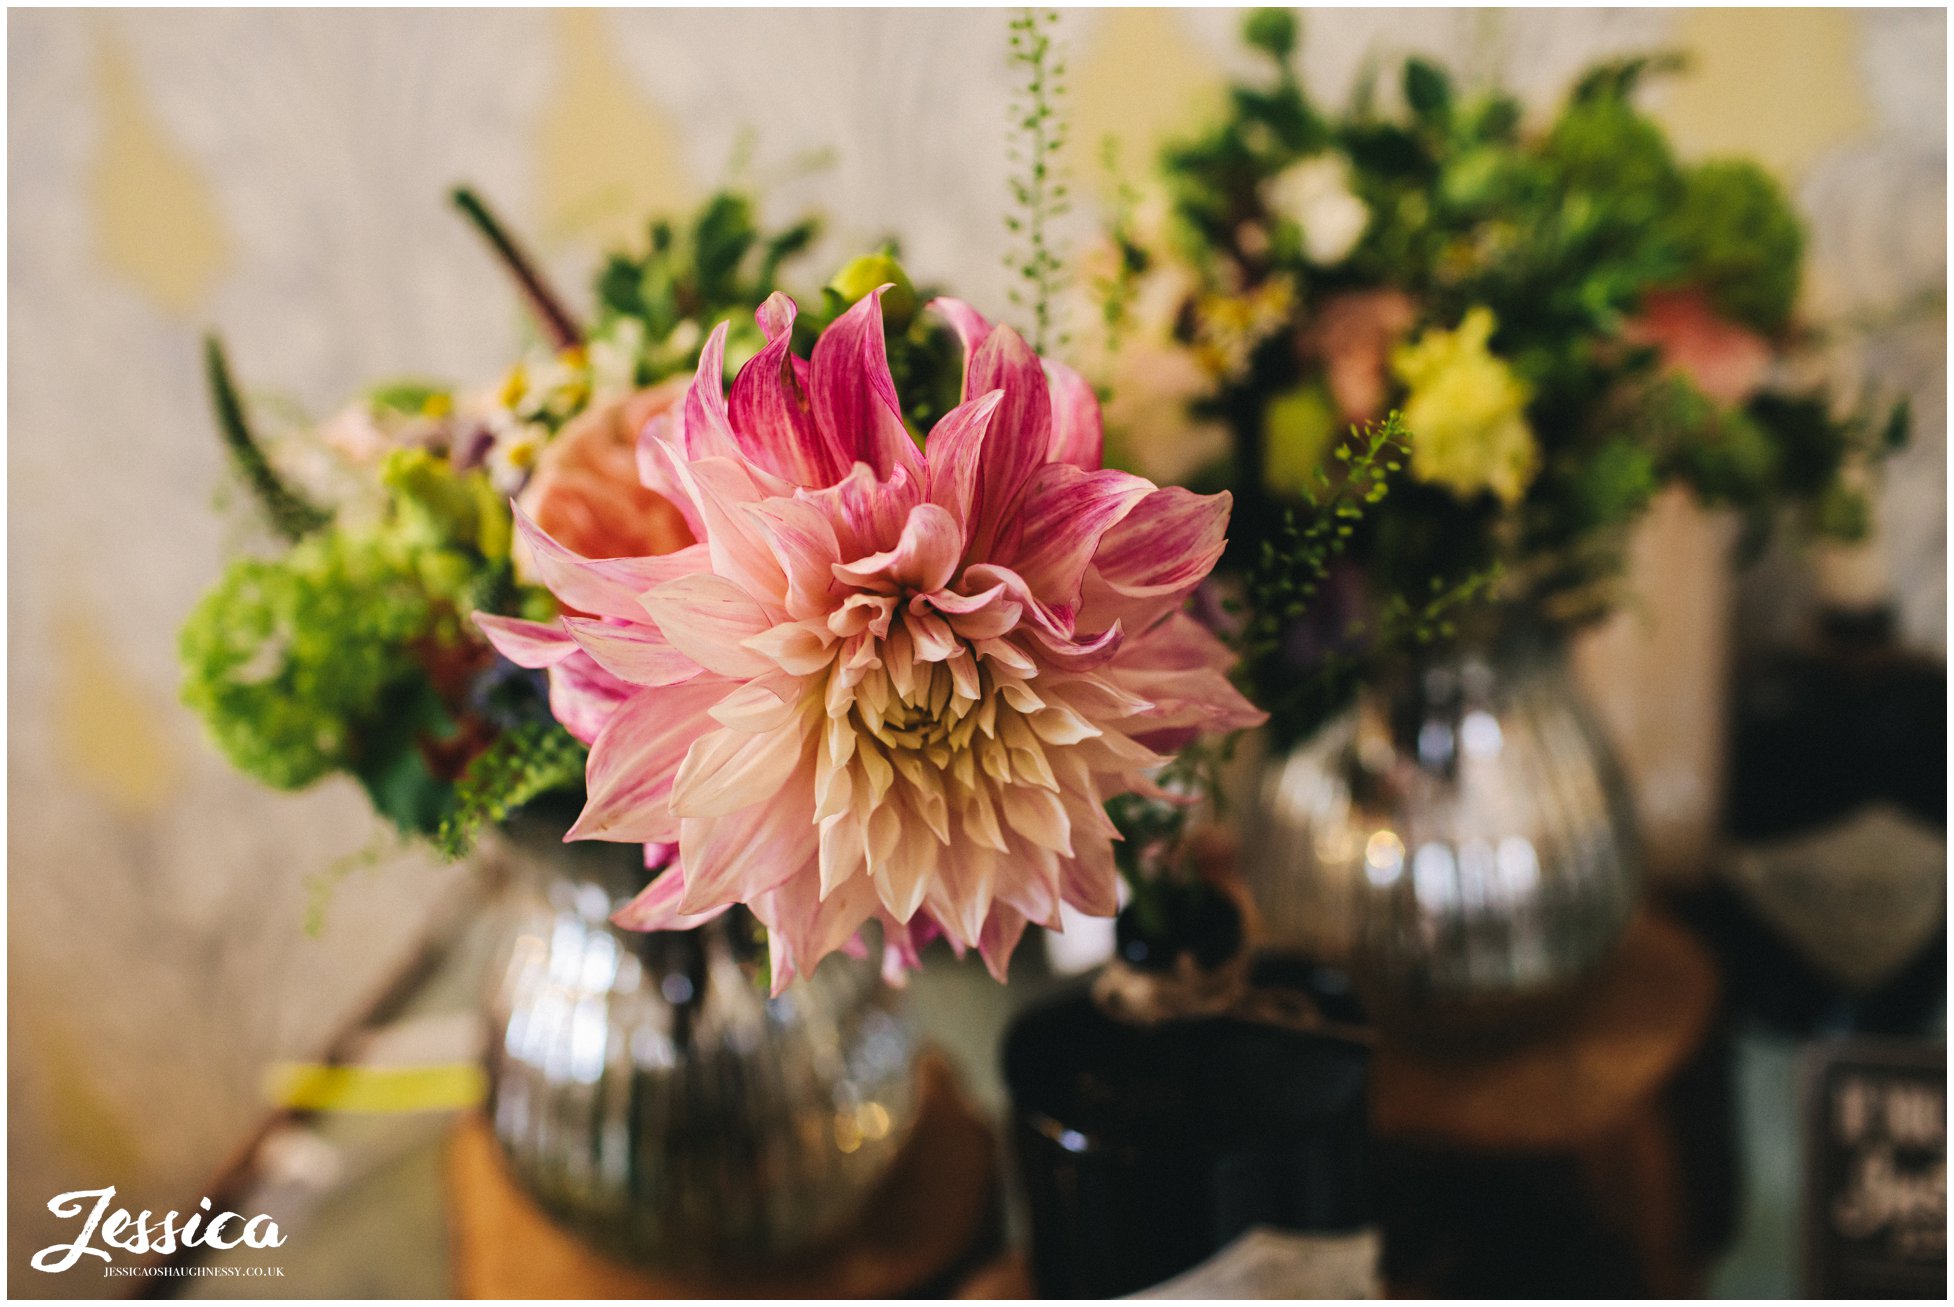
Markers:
{"x": 1427, "y": 90}
{"x": 1272, "y": 31}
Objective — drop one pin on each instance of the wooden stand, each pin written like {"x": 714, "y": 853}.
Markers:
{"x": 1590, "y": 1152}
{"x": 936, "y": 1215}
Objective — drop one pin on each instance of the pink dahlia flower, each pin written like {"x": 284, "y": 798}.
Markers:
{"x": 887, "y": 683}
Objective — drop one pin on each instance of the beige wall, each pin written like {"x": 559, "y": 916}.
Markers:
{"x": 280, "y": 175}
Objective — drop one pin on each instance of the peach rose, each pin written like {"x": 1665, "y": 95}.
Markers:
{"x": 586, "y": 493}
{"x": 1727, "y": 362}
{"x": 1353, "y": 334}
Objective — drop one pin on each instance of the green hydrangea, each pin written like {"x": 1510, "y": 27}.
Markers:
{"x": 285, "y": 658}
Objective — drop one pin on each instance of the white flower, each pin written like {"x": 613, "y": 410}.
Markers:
{"x": 1316, "y": 194}
{"x": 614, "y": 356}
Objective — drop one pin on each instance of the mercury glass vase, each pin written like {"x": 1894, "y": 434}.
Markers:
{"x": 1459, "y": 841}
{"x": 650, "y": 1096}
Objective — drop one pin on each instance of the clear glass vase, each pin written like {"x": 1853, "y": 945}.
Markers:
{"x": 1459, "y": 840}
{"x": 649, "y": 1095}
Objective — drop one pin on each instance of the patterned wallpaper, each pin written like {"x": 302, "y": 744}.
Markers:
{"x": 280, "y": 175}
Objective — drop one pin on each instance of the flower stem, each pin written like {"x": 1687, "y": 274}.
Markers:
{"x": 554, "y": 319}
{"x": 290, "y": 514}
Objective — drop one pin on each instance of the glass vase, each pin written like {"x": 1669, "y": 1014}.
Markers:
{"x": 646, "y": 1092}
{"x": 1459, "y": 840}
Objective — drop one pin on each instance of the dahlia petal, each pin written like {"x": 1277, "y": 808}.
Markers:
{"x": 743, "y": 855}
{"x": 708, "y": 618}
{"x": 659, "y": 454}
{"x": 656, "y": 907}
{"x": 855, "y": 397}
{"x": 1078, "y": 434}
{"x": 606, "y": 587}
{"x": 1038, "y": 816}
{"x": 902, "y": 949}
{"x": 805, "y": 545}
{"x": 980, "y": 818}
{"x": 636, "y": 652}
{"x": 963, "y": 890}
{"x": 981, "y": 617}
{"x": 1017, "y": 436}
{"x": 1066, "y": 514}
{"x": 771, "y": 412}
{"x": 797, "y": 647}
{"x": 634, "y": 759}
{"x": 739, "y": 546}
{"x": 1034, "y": 890}
{"x": 1177, "y": 667}
{"x": 804, "y": 927}
{"x": 844, "y": 849}
{"x": 924, "y": 558}
{"x": 955, "y": 450}
{"x": 759, "y": 706}
{"x": 583, "y": 696}
{"x": 999, "y": 940}
{"x": 1058, "y": 725}
{"x": 707, "y": 431}
{"x": 1089, "y": 881}
{"x": 726, "y": 770}
{"x": 902, "y": 861}
{"x": 527, "y": 644}
{"x": 1155, "y": 557}
{"x": 970, "y": 325}
{"x": 868, "y": 514}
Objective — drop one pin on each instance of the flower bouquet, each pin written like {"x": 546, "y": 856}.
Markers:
{"x": 357, "y": 648}
{"x": 351, "y": 648}
{"x": 1559, "y": 319}
{"x": 1565, "y": 316}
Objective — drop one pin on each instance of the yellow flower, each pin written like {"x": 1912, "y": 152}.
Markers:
{"x": 1229, "y": 327}
{"x": 1466, "y": 411}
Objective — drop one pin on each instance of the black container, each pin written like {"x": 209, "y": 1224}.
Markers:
{"x": 1145, "y": 1149}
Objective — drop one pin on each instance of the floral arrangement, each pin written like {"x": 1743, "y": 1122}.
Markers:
{"x": 1565, "y": 320}
{"x": 904, "y": 665}
{"x": 349, "y": 647}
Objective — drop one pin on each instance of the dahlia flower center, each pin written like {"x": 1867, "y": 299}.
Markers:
{"x": 926, "y": 695}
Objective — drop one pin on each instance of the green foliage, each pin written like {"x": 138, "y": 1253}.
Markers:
{"x": 1741, "y": 241}
{"x": 450, "y": 521}
{"x": 1428, "y": 91}
{"x": 525, "y": 763}
{"x": 288, "y": 660}
{"x": 333, "y": 656}
{"x": 1272, "y": 31}
{"x": 720, "y": 264}
{"x": 1040, "y": 194}
{"x": 1290, "y": 567}
{"x": 411, "y": 398}
{"x": 288, "y": 512}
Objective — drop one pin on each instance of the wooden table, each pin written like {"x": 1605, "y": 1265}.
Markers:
{"x": 936, "y": 1216}
{"x": 1594, "y": 1158}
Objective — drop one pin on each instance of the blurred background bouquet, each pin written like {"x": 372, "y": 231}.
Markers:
{"x": 1565, "y": 316}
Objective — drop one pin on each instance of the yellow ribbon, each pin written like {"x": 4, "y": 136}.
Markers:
{"x": 313, "y": 1087}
